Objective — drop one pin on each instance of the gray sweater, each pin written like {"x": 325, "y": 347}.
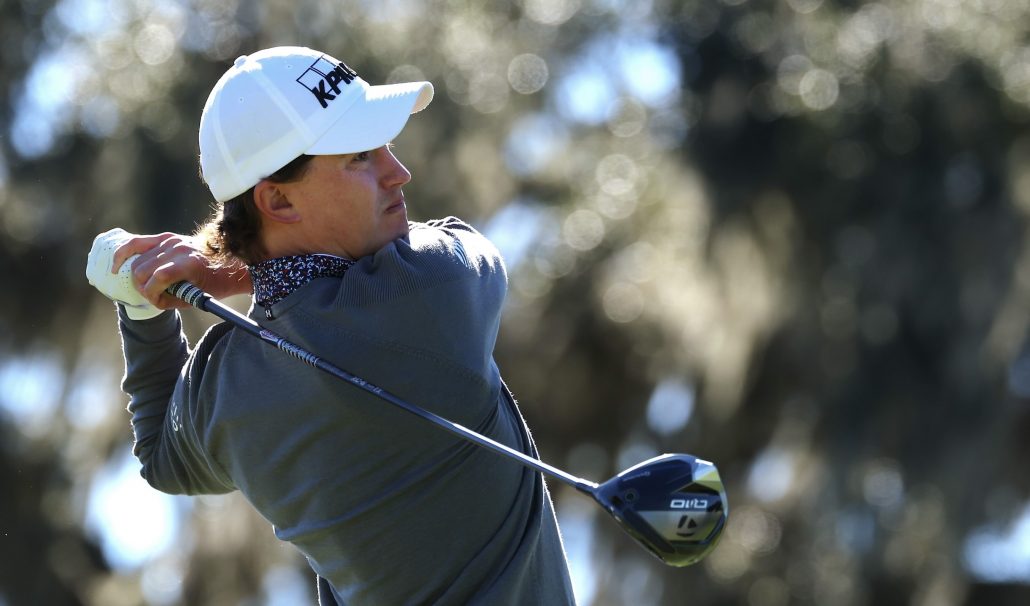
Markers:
{"x": 387, "y": 508}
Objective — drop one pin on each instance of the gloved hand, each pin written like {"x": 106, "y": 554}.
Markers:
{"x": 117, "y": 286}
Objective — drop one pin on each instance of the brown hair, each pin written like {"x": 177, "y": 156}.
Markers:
{"x": 233, "y": 231}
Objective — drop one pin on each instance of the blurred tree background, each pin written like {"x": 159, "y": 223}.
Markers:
{"x": 786, "y": 236}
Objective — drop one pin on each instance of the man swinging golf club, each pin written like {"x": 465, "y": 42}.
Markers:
{"x": 311, "y": 218}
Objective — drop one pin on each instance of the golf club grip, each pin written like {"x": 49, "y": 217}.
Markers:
{"x": 201, "y": 300}
{"x": 188, "y": 293}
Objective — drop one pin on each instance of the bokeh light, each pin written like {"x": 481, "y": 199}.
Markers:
{"x": 785, "y": 236}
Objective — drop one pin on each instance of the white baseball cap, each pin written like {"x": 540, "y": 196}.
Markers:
{"x": 277, "y": 104}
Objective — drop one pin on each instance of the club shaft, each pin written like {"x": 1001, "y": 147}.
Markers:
{"x": 205, "y": 302}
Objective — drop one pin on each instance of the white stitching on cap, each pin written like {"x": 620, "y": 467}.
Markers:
{"x": 223, "y": 149}
{"x": 285, "y": 106}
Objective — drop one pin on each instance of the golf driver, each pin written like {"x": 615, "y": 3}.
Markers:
{"x": 674, "y": 504}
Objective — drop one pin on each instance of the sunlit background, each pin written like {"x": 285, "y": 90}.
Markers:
{"x": 786, "y": 236}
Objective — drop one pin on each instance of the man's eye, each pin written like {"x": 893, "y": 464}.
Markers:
{"x": 362, "y": 156}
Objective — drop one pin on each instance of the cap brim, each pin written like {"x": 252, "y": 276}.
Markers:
{"x": 374, "y": 120}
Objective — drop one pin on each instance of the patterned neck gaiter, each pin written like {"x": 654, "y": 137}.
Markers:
{"x": 276, "y": 279}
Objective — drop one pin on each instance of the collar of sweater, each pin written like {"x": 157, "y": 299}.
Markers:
{"x": 275, "y": 279}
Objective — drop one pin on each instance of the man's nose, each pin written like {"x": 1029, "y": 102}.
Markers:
{"x": 395, "y": 174}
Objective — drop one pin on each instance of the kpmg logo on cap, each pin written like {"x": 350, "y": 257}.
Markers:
{"x": 323, "y": 79}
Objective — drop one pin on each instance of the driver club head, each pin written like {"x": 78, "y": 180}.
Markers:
{"x": 674, "y": 505}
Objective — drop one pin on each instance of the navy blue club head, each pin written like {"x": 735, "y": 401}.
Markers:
{"x": 674, "y": 505}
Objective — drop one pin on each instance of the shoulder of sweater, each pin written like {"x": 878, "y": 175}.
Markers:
{"x": 449, "y": 222}
{"x": 454, "y": 238}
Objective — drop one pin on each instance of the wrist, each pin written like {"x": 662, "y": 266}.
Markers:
{"x": 138, "y": 313}
{"x": 229, "y": 279}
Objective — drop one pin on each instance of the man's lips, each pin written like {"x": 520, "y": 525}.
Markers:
{"x": 396, "y": 206}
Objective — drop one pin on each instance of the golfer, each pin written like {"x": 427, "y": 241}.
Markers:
{"x": 311, "y": 218}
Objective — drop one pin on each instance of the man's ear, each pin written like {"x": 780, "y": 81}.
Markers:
{"x": 272, "y": 203}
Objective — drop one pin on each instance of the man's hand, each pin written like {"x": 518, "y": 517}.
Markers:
{"x": 147, "y": 265}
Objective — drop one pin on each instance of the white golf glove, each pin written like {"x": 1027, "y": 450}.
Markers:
{"x": 117, "y": 287}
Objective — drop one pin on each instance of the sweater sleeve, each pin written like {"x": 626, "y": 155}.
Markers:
{"x": 158, "y": 365}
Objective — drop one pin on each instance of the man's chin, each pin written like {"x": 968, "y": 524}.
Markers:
{"x": 402, "y": 228}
